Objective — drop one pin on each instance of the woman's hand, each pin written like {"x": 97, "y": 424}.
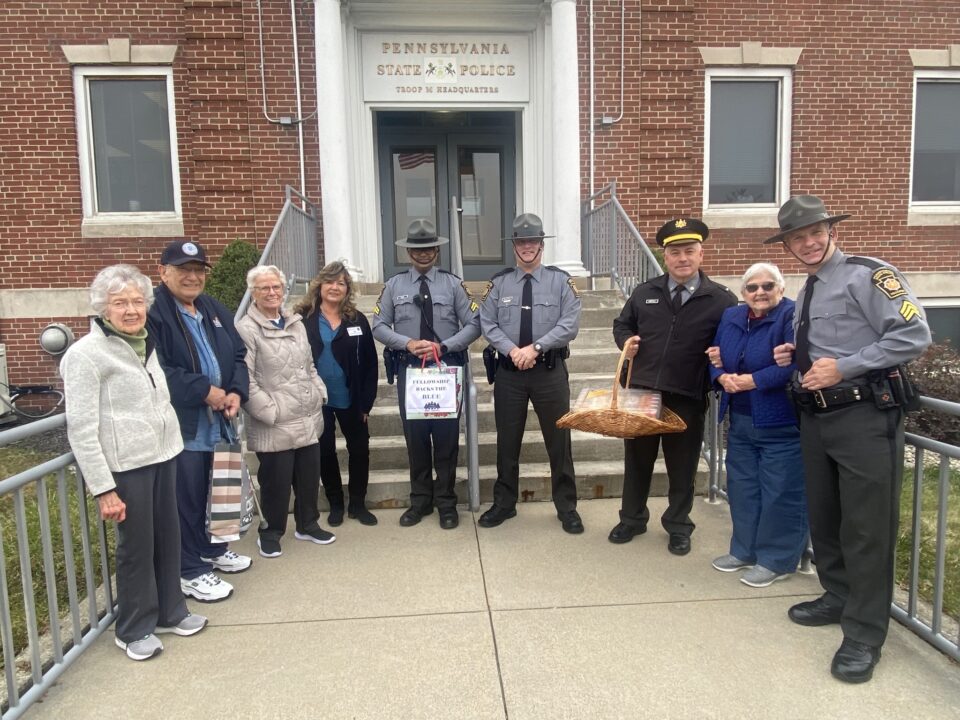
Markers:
{"x": 783, "y": 354}
{"x": 112, "y": 507}
{"x": 728, "y": 382}
{"x": 713, "y": 354}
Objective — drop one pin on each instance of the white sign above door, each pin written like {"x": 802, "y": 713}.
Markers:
{"x": 437, "y": 68}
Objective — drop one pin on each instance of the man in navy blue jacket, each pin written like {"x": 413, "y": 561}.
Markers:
{"x": 203, "y": 359}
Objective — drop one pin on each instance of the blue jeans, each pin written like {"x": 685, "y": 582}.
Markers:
{"x": 765, "y": 486}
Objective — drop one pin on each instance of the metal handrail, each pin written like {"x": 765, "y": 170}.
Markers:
{"x": 471, "y": 420}
{"x": 612, "y": 245}
{"x": 292, "y": 245}
{"x": 64, "y": 650}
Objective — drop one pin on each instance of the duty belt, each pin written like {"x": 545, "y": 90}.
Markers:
{"x": 548, "y": 358}
{"x": 819, "y": 401}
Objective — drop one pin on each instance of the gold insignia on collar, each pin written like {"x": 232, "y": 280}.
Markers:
{"x": 888, "y": 283}
{"x": 909, "y": 311}
{"x": 573, "y": 287}
{"x": 681, "y": 223}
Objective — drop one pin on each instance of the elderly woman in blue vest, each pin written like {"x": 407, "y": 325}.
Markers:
{"x": 124, "y": 433}
{"x": 285, "y": 412}
{"x": 764, "y": 465}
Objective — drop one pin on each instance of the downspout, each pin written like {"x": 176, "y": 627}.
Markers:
{"x": 607, "y": 121}
{"x": 296, "y": 69}
{"x": 591, "y": 120}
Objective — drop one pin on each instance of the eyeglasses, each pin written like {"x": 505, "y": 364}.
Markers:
{"x": 753, "y": 287}
{"x": 138, "y": 304}
{"x": 270, "y": 289}
{"x": 200, "y": 270}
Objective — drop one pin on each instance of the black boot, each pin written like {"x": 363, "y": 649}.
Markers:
{"x": 336, "y": 515}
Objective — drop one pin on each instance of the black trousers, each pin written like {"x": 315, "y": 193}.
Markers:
{"x": 854, "y": 466}
{"x": 431, "y": 445}
{"x": 357, "y": 434}
{"x": 148, "y": 552}
{"x": 279, "y": 472}
{"x": 549, "y": 391}
{"x": 681, "y": 452}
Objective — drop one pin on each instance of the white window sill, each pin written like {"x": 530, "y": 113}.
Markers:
{"x": 132, "y": 227}
{"x": 919, "y": 217}
{"x": 735, "y": 218}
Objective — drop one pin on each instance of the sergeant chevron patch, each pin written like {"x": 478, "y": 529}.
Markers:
{"x": 909, "y": 311}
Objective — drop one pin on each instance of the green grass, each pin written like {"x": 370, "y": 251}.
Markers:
{"x": 12, "y": 461}
{"x": 928, "y": 536}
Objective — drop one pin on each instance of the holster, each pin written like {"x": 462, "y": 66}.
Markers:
{"x": 490, "y": 362}
{"x": 389, "y": 365}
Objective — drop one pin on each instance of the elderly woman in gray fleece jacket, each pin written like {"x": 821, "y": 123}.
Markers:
{"x": 285, "y": 411}
{"x": 125, "y": 436}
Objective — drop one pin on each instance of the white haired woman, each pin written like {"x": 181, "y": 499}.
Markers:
{"x": 285, "y": 412}
{"x": 765, "y": 484}
{"x": 125, "y": 435}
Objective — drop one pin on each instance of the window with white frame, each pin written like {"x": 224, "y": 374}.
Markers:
{"x": 127, "y": 145}
{"x": 747, "y": 138}
{"x": 935, "y": 170}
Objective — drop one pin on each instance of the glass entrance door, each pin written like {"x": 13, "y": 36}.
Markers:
{"x": 421, "y": 169}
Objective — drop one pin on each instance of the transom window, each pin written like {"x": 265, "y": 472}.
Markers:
{"x": 747, "y": 138}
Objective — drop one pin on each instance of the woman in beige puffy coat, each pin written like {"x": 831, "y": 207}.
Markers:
{"x": 285, "y": 412}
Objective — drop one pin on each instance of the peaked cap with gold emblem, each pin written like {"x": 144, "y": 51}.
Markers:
{"x": 682, "y": 231}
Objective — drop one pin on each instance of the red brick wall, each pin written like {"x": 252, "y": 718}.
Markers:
{"x": 233, "y": 163}
{"x": 852, "y": 115}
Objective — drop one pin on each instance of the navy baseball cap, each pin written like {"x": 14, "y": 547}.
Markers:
{"x": 180, "y": 252}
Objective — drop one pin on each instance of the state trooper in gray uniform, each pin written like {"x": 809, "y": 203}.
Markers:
{"x": 857, "y": 323}
{"x": 530, "y": 314}
{"x": 422, "y": 310}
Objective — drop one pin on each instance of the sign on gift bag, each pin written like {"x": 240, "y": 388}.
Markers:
{"x": 433, "y": 393}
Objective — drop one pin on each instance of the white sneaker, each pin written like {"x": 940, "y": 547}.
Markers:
{"x": 142, "y": 649}
{"x": 229, "y": 562}
{"x": 190, "y": 625}
{"x": 206, "y": 588}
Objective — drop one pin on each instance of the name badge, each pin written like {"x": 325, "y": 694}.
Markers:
{"x": 400, "y": 298}
{"x": 354, "y": 331}
{"x": 506, "y": 300}
{"x": 652, "y": 301}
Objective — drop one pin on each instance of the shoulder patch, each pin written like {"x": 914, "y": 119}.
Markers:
{"x": 909, "y": 311}
{"x": 474, "y": 305}
{"x": 376, "y": 307}
{"x": 573, "y": 286}
{"x": 887, "y": 282}
{"x": 486, "y": 290}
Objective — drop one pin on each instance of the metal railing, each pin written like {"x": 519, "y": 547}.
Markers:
{"x": 57, "y": 639}
{"x": 612, "y": 245}
{"x": 928, "y": 621}
{"x": 292, "y": 246}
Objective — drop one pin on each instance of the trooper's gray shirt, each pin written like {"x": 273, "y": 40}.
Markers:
{"x": 556, "y": 309}
{"x": 396, "y": 318}
{"x": 866, "y": 318}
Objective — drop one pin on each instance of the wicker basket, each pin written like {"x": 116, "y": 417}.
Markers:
{"x": 614, "y": 422}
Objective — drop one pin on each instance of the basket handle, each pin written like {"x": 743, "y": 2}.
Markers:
{"x": 616, "y": 377}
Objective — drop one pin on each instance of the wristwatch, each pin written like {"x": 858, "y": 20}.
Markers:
{"x": 443, "y": 349}
{"x": 538, "y": 347}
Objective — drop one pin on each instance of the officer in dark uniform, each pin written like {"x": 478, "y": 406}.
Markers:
{"x": 667, "y": 325}
{"x": 421, "y": 311}
{"x": 857, "y": 322}
{"x": 530, "y": 314}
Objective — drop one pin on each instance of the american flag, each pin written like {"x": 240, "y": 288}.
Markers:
{"x": 411, "y": 160}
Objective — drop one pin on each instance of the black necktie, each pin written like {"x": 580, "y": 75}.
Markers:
{"x": 526, "y": 312}
{"x": 677, "y": 299}
{"x": 801, "y": 352}
{"x": 426, "y": 311}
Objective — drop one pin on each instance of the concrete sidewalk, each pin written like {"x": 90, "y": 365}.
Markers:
{"x": 521, "y": 621}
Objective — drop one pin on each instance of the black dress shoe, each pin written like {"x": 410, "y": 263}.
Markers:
{"x": 815, "y": 613}
{"x": 679, "y": 544}
{"x": 412, "y": 516}
{"x": 624, "y": 533}
{"x": 495, "y": 516}
{"x": 571, "y": 522}
{"x": 336, "y": 517}
{"x": 854, "y": 661}
{"x": 449, "y": 519}
{"x": 364, "y": 516}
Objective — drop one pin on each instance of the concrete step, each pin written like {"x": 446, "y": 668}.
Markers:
{"x": 387, "y": 394}
{"x": 595, "y": 479}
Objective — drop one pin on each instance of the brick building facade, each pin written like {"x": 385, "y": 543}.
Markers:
{"x": 844, "y": 77}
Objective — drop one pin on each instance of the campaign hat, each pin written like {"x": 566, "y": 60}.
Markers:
{"x": 800, "y": 212}
{"x": 527, "y": 225}
{"x": 422, "y": 233}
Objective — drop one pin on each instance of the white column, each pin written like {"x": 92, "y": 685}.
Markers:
{"x": 566, "y": 137}
{"x": 335, "y": 182}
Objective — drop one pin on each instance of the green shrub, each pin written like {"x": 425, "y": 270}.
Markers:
{"x": 228, "y": 279}
{"x": 937, "y": 374}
